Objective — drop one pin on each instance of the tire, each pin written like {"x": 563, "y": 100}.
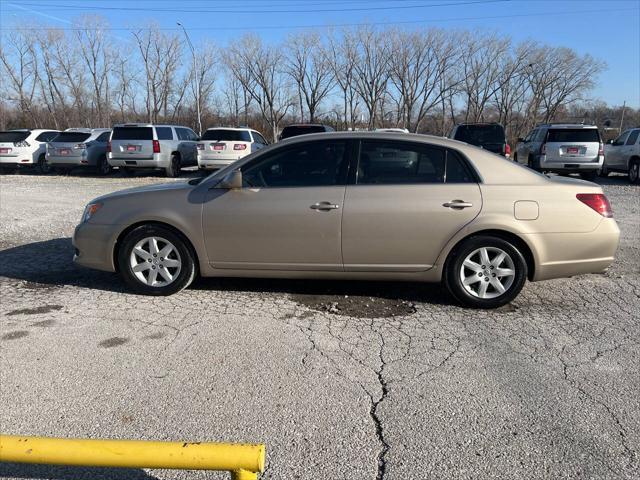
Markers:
{"x": 43, "y": 167}
{"x": 470, "y": 251}
{"x": 531, "y": 164}
{"x": 634, "y": 171}
{"x": 151, "y": 280}
{"x": 103, "y": 166}
{"x": 173, "y": 170}
{"x": 604, "y": 171}
{"x": 591, "y": 176}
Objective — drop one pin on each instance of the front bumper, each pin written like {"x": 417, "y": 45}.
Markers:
{"x": 93, "y": 246}
{"x": 590, "y": 252}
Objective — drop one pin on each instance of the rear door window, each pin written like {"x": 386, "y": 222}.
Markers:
{"x": 71, "y": 137}
{"x": 132, "y": 133}
{"x": 11, "y": 137}
{"x": 258, "y": 138}
{"x": 633, "y": 137}
{"x": 103, "y": 137}
{"x": 457, "y": 170}
{"x": 390, "y": 163}
{"x": 581, "y": 135}
{"x": 164, "y": 133}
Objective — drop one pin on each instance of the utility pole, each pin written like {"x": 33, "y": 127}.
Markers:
{"x": 196, "y": 74}
{"x": 624, "y": 104}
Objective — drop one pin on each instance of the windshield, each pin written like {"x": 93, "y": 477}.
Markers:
{"x": 132, "y": 133}
{"x": 480, "y": 134}
{"x": 71, "y": 137}
{"x": 227, "y": 135}
{"x": 10, "y": 137}
{"x": 295, "y": 130}
{"x": 573, "y": 135}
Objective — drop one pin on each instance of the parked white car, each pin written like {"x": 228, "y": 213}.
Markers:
{"x": 623, "y": 155}
{"x": 25, "y": 148}
{"x": 220, "y": 147}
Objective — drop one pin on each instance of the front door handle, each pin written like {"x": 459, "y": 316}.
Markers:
{"x": 457, "y": 204}
{"x": 324, "y": 206}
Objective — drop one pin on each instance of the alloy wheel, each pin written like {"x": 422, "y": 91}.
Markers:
{"x": 634, "y": 171}
{"x": 155, "y": 261}
{"x": 487, "y": 272}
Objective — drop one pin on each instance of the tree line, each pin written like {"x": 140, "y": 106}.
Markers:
{"x": 423, "y": 80}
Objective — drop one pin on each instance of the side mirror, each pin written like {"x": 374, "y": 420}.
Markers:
{"x": 231, "y": 181}
{"x": 520, "y": 139}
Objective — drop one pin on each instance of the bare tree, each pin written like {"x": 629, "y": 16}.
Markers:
{"x": 341, "y": 57}
{"x": 371, "y": 69}
{"x": 309, "y": 67}
{"x": 19, "y": 66}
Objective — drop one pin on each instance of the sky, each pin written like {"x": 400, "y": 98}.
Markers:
{"x": 608, "y": 30}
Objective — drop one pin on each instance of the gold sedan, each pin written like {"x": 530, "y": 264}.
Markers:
{"x": 365, "y": 206}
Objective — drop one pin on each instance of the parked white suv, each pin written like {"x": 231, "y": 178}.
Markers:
{"x": 25, "y": 148}
{"x": 222, "y": 146}
{"x": 144, "y": 146}
{"x": 623, "y": 155}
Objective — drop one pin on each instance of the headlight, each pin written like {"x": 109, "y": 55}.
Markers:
{"x": 90, "y": 210}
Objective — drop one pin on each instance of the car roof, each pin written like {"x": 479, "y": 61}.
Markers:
{"x": 121, "y": 125}
{"x": 231, "y": 128}
{"x": 308, "y": 125}
{"x": 565, "y": 125}
{"x": 33, "y": 130}
{"x": 87, "y": 130}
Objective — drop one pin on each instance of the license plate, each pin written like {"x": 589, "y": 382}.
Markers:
{"x": 5, "y": 150}
{"x": 573, "y": 150}
{"x": 218, "y": 147}
{"x": 131, "y": 148}
{"x": 65, "y": 151}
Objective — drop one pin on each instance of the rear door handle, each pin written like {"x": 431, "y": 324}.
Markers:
{"x": 324, "y": 206}
{"x": 457, "y": 204}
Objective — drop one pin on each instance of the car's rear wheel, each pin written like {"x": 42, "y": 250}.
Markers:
{"x": 173, "y": 170}
{"x": 634, "y": 171}
{"x": 485, "y": 272}
{"x": 103, "y": 166}
{"x": 154, "y": 260}
{"x": 43, "y": 166}
{"x": 591, "y": 176}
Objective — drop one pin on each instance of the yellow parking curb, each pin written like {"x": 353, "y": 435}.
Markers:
{"x": 243, "y": 460}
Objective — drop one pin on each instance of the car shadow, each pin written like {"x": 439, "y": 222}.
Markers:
{"x": 57, "y": 472}
{"x": 613, "y": 179}
{"x": 49, "y": 264}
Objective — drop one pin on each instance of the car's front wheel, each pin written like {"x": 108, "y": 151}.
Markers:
{"x": 173, "y": 170}
{"x": 154, "y": 260}
{"x": 103, "y": 167}
{"x": 634, "y": 171}
{"x": 485, "y": 272}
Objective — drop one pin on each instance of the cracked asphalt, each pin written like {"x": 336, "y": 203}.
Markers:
{"x": 338, "y": 379}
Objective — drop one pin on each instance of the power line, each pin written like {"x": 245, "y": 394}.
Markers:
{"x": 254, "y": 11}
{"x": 338, "y": 25}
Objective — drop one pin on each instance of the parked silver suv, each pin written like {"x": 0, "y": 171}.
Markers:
{"x": 80, "y": 147}
{"x": 144, "y": 145}
{"x": 623, "y": 155}
{"x": 562, "y": 148}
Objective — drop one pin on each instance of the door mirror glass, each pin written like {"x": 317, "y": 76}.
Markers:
{"x": 231, "y": 181}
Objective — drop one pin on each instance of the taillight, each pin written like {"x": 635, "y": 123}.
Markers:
{"x": 109, "y": 146}
{"x": 543, "y": 149}
{"x": 598, "y": 202}
{"x": 200, "y": 146}
{"x": 239, "y": 146}
{"x": 507, "y": 149}
{"x": 156, "y": 146}
{"x": 601, "y": 149}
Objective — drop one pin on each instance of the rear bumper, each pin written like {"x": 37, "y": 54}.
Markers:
{"x": 69, "y": 161}
{"x": 568, "y": 254}
{"x": 156, "y": 161}
{"x": 217, "y": 161}
{"x": 570, "y": 165}
{"x": 16, "y": 160}
{"x": 93, "y": 246}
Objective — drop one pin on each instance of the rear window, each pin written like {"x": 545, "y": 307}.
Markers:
{"x": 10, "y": 137}
{"x": 71, "y": 137}
{"x": 295, "y": 130}
{"x": 480, "y": 134}
{"x": 573, "y": 135}
{"x": 132, "y": 133}
{"x": 227, "y": 135}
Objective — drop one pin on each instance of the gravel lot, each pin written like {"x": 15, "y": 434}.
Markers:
{"x": 340, "y": 380}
